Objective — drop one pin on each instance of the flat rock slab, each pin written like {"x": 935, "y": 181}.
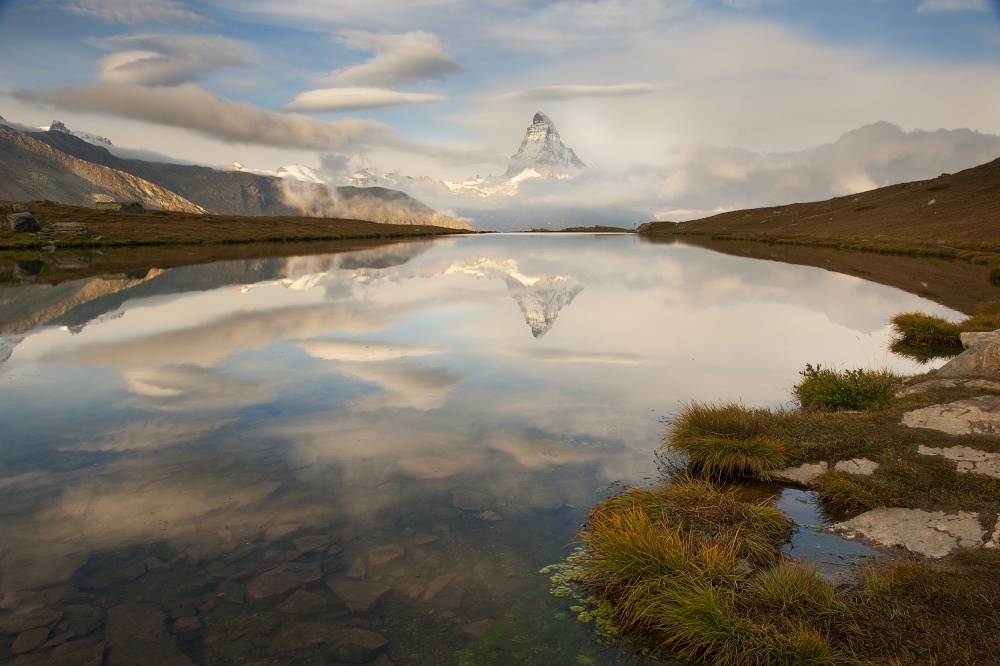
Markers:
{"x": 934, "y": 384}
{"x": 968, "y": 460}
{"x": 283, "y": 578}
{"x": 802, "y": 475}
{"x": 972, "y": 416}
{"x": 929, "y": 533}
{"x": 856, "y": 466}
{"x": 982, "y": 360}
{"x": 385, "y": 554}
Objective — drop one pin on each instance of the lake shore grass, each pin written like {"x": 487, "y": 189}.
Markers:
{"x": 157, "y": 227}
{"x": 731, "y": 604}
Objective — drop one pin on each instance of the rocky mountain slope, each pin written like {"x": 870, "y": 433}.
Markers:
{"x": 31, "y": 169}
{"x": 61, "y": 166}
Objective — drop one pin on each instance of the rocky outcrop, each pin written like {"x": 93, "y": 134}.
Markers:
{"x": 972, "y": 416}
{"x": 23, "y": 222}
{"x": 120, "y": 206}
{"x": 929, "y": 533}
{"x": 981, "y": 359}
{"x": 968, "y": 460}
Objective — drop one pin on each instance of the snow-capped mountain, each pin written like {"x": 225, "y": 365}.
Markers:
{"x": 543, "y": 154}
{"x": 292, "y": 171}
{"x": 57, "y": 126}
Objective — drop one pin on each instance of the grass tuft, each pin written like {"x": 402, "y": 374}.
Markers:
{"x": 850, "y": 493}
{"x": 925, "y": 329}
{"x": 726, "y": 441}
{"x": 859, "y": 389}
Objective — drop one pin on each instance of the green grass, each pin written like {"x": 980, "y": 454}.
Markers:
{"x": 859, "y": 389}
{"x": 726, "y": 441}
{"x": 851, "y": 494}
{"x": 925, "y": 329}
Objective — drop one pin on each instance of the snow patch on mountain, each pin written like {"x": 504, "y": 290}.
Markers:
{"x": 57, "y": 126}
{"x": 297, "y": 172}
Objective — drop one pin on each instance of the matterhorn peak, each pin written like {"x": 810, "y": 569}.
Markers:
{"x": 543, "y": 152}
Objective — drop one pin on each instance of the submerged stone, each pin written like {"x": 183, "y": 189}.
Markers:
{"x": 470, "y": 500}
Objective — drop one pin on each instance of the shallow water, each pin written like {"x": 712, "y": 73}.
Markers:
{"x": 250, "y": 460}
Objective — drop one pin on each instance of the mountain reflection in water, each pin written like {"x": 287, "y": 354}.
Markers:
{"x": 250, "y": 460}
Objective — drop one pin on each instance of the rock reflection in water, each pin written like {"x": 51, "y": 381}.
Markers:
{"x": 364, "y": 457}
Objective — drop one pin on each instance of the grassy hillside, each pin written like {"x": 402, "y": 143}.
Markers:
{"x": 157, "y": 227}
{"x": 952, "y": 215}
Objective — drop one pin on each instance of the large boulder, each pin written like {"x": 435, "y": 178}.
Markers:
{"x": 24, "y": 221}
{"x": 980, "y": 360}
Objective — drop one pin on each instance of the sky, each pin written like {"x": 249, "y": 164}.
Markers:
{"x": 681, "y": 107}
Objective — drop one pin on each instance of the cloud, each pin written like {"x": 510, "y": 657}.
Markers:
{"x": 350, "y": 99}
{"x": 405, "y": 385}
{"x": 936, "y": 6}
{"x": 135, "y": 12}
{"x": 157, "y": 60}
{"x": 150, "y": 435}
{"x": 400, "y": 59}
{"x": 569, "y": 356}
{"x": 361, "y": 350}
{"x": 560, "y": 93}
{"x": 191, "y": 107}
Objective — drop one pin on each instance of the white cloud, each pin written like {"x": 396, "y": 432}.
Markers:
{"x": 400, "y": 59}
{"x": 935, "y": 6}
{"x": 135, "y": 12}
{"x": 560, "y": 93}
{"x": 155, "y": 60}
{"x": 351, "y": 99}
{"x": 190, "y": 107}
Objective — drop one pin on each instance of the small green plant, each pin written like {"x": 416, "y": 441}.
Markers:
{"x": 726, "y": 441}
{"x": 925, "y": 329}
{"x": 985, "y": 318}
{"x": 858, "y": 389}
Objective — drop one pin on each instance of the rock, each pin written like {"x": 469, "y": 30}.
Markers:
{"x": 302, "y": 601}
{"x": 934, "y": 384}
{"x": 358, "y": 597}
{"x": 20, "y": 623}
{"x": 307, "y": 544}
{"x": 470, "y": 500}
{"x": 857, "y": 466}
{"x": 982, "y": 360}
{"x": 476, "y": 630}
{"x": 23, "y": 601}
{"x": 972, "y": 416}
{"x": 28, "y": 640}
{"x": 969, "y": 460}
{"x": 358, "y": 569}
{"x": 283, "y": 578}
{"x": 137, "y": 636}
{"x": 186, "y": 625}
{"x": 435, "y": 586}
{"x": 23, "y": 222}
{"x": 489, "y": 516}
{"x": 802, "y": 475}
{"x": 385, "y": 554}
{"x": 929, "y": 533}
{"x": 84, "y": 618}
{"x": 973, "y": 338}
{"x": 354, "y": 646}
{"x": 70, "y": 229}
{"x": 120, "y": 206}
{"x": 300, "y": 636}
{"x": 422, "y": 539}
{"x": 230, "y": 592}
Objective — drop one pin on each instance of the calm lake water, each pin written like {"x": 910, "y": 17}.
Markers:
{"x": 296, "y": 459}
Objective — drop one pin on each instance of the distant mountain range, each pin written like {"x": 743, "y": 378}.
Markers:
{"x": 542, "y": 154}
{"x": 77, "y": 168}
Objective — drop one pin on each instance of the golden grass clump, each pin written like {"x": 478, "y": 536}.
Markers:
{"x": 726, "y": 441}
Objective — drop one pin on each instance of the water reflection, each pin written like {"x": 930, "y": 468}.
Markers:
{"x": 373, "y": 440}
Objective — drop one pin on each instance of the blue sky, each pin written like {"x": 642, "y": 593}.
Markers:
{"x": 446, "y": 87}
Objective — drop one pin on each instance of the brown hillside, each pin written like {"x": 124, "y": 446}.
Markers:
{"x": 958, "y": 211}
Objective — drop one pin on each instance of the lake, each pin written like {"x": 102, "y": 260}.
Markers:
{"x": 369, "y": 455}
